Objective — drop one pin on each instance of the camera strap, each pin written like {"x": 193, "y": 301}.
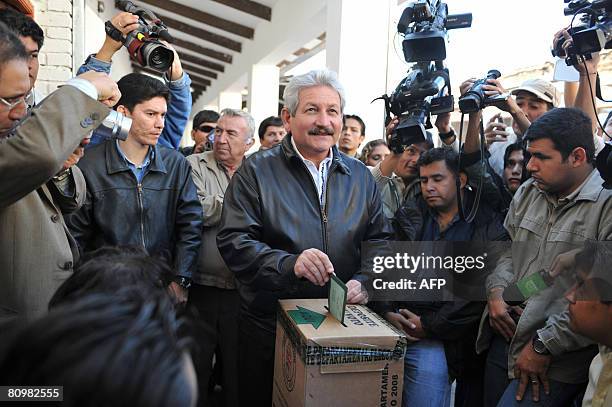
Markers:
{"x": 470, "y": 217}
{"x": 113, "y": 32}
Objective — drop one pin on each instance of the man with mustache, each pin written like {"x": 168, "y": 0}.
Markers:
{"x": 214, "y": 293}
{"x": 139, "y": 193}
{"x": 292, "y": 216}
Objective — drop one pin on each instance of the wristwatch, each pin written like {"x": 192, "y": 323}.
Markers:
{"x": 539, "y": 347}
{"x": 183, "y": 282}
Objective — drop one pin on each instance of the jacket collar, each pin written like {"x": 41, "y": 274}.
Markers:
{"x": 208, "y": 158}
{"x": 115, "y": 163}
{"x": 338, "y": 161}
{"x": 589, "y": 190}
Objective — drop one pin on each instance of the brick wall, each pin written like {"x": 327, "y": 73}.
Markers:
{"x": 55, "y": 18}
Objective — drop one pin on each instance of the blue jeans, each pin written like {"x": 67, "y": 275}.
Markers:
{"x": 426, "y": 381}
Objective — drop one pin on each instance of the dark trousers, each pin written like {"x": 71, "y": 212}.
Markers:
{"x": 216, "y": 329}
{"x": 501, "y": 391}
{"x": 255, "y": 364}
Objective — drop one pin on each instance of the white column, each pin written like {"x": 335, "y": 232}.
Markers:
{"x": 263, "y": 94}
{"x": 263, "y": 91}
{"x": 230, "y": 100}
{"x": 357, "y": 50}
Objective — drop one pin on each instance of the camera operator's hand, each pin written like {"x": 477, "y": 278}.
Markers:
{"x": 443, "y": 125}
{"x": 391, "y": 128}
{"x": 584, "y": 67}
{"x": 387, "y": 166}
{"x": 495, "y": 131}
{"x": 176, "y": 70}
{"x": 108, "y": 91}
{"x": 124, "y": 22}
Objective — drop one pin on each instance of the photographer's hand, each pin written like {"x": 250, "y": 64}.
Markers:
{"x": 495, "y": 88}
{"x": 587, "y": 68}
{"x": 495, "y": 130}
{"x": 176, "y": 70}
{"x": 472, "y": 140}
{"x": 124, "y": 22}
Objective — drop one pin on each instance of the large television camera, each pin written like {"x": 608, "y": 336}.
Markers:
{"x": 424, "y": 25}
{"x": 594, "y": 32}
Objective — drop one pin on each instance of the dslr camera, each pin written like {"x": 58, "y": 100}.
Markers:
{"x": 143, "y": 44}
{"x": 424, "y": 25}
{"x": 594, "y": 32}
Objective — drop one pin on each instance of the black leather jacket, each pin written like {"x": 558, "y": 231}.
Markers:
{"x": 162, "y": 214}
{"x": 271, "y": 213}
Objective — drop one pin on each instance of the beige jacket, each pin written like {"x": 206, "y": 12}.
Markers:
{"x": 211, "y": 180}
{"x": 35, "y": 247}
{"x": 554, "y": 228}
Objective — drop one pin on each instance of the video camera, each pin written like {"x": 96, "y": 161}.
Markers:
{"x": 424, "y": 25}
{"x": 143, "y": 43}
{"x": 592, "y": 35}
{"x": 475, "y": 99}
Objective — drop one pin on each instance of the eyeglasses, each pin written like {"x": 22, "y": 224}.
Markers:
{"x": 206, "y": 129}
{"x": 25, "y": 99}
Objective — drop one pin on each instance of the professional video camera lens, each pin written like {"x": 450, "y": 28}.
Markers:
{"x": 157, "y": 56}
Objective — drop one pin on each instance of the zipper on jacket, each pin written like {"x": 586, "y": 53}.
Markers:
{"x": 141, "y": 207}
{"x": 324, "y": 214}
{"x": 322, "y": 210}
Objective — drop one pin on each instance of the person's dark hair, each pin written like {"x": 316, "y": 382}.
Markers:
{"x": 355, "y": 117}
{"x": 205, "y": 116}
{"x": 111, "y": 349}
{"x": 23, "y": 25}
{"x": 369, "y": 147}
{"x": 270, "y": 121}
{"x": 567, "y": 128}
{"x": 11, "y": 47}
{"x": 108, "y": 269}
{"x": 449, "y": 156}
{"x": 137, "y": 88}
{"x": 518, "y": 146}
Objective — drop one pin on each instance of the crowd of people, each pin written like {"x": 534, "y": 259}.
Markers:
{"x": 145, "y": 273}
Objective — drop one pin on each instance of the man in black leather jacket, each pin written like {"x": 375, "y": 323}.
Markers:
{"x": 292, "y": 215}
{"x": 139, "y": 193}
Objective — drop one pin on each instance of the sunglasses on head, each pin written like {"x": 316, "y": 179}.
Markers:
{"x": 206, "y": 129}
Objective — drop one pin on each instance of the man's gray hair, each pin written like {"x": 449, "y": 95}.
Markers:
{"x": 248, "y": 119}
{"x": 322, "y": 77}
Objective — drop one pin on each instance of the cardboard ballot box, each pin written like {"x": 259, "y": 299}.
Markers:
{"x": 320, "y": 362}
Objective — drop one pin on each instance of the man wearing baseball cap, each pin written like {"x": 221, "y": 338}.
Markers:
{"x": 534, "y": 98}
{"x": 23, "y": 6}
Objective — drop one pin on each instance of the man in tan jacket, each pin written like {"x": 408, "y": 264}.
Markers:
{"x": 533, "y": 354}
{"x": 213, "y": 293}
{"x": 35, "y": 250}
